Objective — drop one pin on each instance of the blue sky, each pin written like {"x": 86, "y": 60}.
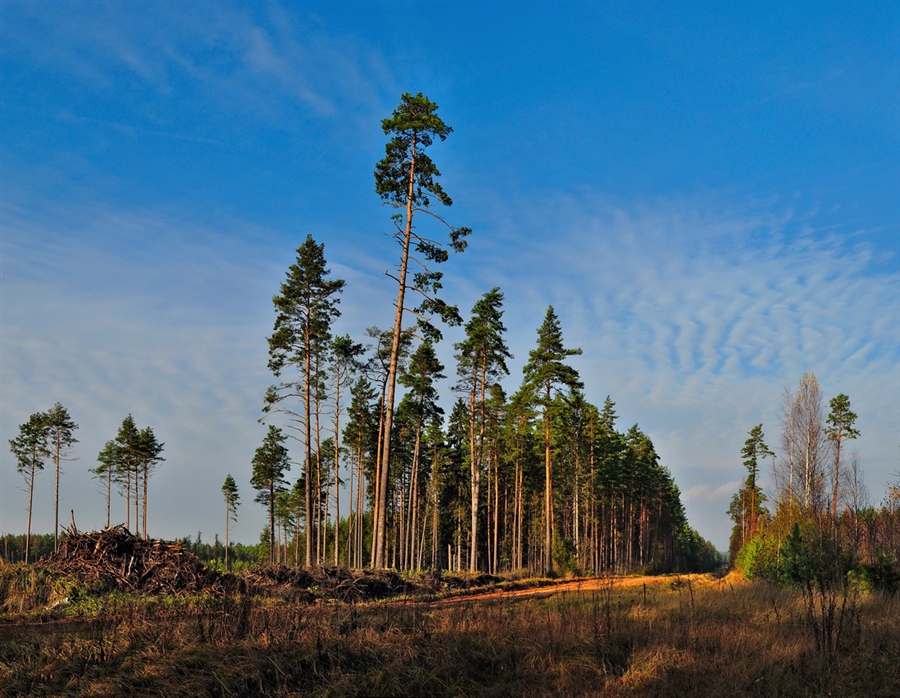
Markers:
{"x": 708, "y": 194}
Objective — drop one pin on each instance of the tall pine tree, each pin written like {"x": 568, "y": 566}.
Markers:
{"x": 839, "y": 427}
{"x": 481, "y": 358}
{"x": 406, "y": 179}
{"x": 305, "y": 309}
{"x": 544, "y": 373}
{"x": 270, "y": 463}
{"x": 60, "y": 433}
{"x": 232, "y": 500}
{"x": 30, "y": 450}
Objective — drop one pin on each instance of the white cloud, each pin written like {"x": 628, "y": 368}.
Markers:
{"x": 693, "y": 314}
{"x": 708, "y": 493}
{"x": 262, "y": 60}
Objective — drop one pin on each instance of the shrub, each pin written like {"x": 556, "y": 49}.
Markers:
{"x": 881, "y": 574}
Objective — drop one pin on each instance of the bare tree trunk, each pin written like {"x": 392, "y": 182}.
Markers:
{"x": 30, "y": 506}
{"x": 108, "y": 494}
{"x": 434, "y": 512}
{"x": 519, "y": 507}
{"x": 837, "y": 467}
{"x": 337, "y": 463}
{"x": 376, "y": 503}
{"x": 322, "y": 519}
{"x": 548, "y": 489}
{"x": 413, "y": 500}
{"x": 360, "y": 505}
{"x": 137, "y": 498}
{"x": 496, "y": 514}
{"x": 400, "y": 523}
{"x": 56, "y": 506}
{"x": 351, "y": 522}
{"x": 382, "y": 490}
{"x": 272, "y": 522}
{"x": 575, "y": 512}
{"x": 144, "y": 503}
{"x": 307, "y": 427}
{"x": 227, "y": 520}
{"x": 128, "y": 496}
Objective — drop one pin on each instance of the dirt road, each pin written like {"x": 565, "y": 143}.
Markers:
{"x": 577, "y": 585}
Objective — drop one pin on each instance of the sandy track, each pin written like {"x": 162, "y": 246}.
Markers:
{"x": 578, "y": 585}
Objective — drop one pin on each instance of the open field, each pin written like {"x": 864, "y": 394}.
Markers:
{"x": 675, "y": 636}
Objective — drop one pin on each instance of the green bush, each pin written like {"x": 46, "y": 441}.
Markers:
{"x": 565, "y": 562}
{"x": 881, "y": 574}
{"x": 761, "y": 558}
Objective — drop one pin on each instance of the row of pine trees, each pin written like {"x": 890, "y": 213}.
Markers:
{"x": 538, "y": 480}
{"x": 468, "y": 489}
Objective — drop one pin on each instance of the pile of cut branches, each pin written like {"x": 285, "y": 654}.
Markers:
{"x": 116, "y": 557}
{"x": 327, "y": 582}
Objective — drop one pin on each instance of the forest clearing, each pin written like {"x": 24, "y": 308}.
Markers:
{"x": 449, "y": 349}
{"x": 282, "y": 632}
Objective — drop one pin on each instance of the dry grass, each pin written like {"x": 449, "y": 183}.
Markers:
{"x": 689, "y": 636}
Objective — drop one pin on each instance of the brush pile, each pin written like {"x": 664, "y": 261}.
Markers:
{"x": 327, "y": 582}
{"x": 115, "y": 557}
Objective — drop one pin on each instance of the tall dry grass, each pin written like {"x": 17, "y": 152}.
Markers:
{"x": 687, "y": 636}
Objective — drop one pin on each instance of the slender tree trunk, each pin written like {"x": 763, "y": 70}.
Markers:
{"x": 227, "y": 521}
{"x": 128, "y": 495}
{"x": 272, "y": 522}
{"x": 412, "y": 520}
{"x": 137, "y": 498}
{"x": 297, "y": 536}
{"x": 108, "y": 494}
{"x": 307, "y": 426}
{"x": 474, "y": 471}
{"x": 379, "y": 455}
{"x": 144, "y": 503}
{"x": 837, "y": 466}
{"x": 575, "y": 517}
{"x": 434, "y": 511}
{"x": 382, "y": 490}
{"x": 360, "y": 501}
{"x": 496, "y": 513}
{"x": 321, "y": 518}
{"x": 58, "y": 446}
{"x": 30, "y": 505}
{"x": 548, "y": 488}
{"x": 337, "y": 462}
{"x": 518, "y": 523}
